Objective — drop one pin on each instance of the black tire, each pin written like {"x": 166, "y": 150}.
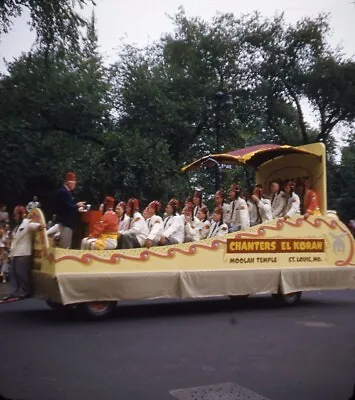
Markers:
{"x": 289, "y": 299}
{"x": 97, "y": 309}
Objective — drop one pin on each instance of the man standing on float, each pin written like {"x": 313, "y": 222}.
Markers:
{"x": 66, "y": 210}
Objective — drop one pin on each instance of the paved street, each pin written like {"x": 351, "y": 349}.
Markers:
{"x": 146, "y": 350}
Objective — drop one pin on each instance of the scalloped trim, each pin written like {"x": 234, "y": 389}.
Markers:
{"x": 146, "y": 254}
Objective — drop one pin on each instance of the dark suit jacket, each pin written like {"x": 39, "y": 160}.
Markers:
{"x": 65, "y": 208}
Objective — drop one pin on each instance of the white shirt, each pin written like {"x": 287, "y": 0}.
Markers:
{"x": 240, "y": 213}
{"x": 263, "y": 208}
{"x": 196, "y": 209}
{"x": 21, "y": 244}
{"x": 123, "y": 224}
{"x": 192, "y": 233}
{"x": 155, "y": 227}
{"x": 226, "y": 213}
{"x": 217, "y": 229}
{"x": 204, "y": 228}
{"x": 174, "y": 227}
{"x": 278, "y": 204}
{"x": 293, "y": 205}
{"x": 138, "y": 227}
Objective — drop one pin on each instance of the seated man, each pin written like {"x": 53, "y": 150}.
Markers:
{"x": 219, "y": 201}
{"x": 278, "y": 199}
{"x": 204, "y": 223}
{"x": 174, "y": 230}
{"x": 239, "y": 212}
{"x": 123, "y": 218}
{"x": 259, "y": 206}
{"x": 137, "y": 231}
{"x": 218, "y": 227}
{"x": 191, "y": 223}
{"x": 292, "y": 201}
{"x": 104, "y": 235}
{"x": 155, "y": 223}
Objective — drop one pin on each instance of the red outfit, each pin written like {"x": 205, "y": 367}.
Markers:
{"x": 311, "y": 204}
{"x": 108, "y": 224}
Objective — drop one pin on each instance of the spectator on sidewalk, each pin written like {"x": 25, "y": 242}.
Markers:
{"x": 4, "y": 216}
{"x": 20, "y": 255}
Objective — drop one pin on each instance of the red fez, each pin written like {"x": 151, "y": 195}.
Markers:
{"x": 133, "y": 203}
{"x": 218, "y": 210}
{"x": 70, "y": 176}
{"x": 20, "y": 210}
{"x": 109, "y": 201}
{"x": 155, "y": 204}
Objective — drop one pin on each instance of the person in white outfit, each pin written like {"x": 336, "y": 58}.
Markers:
{"x": 293, "y": 201}
{"x": 137, "y": 232}
{"x": 155, "y": 223}
{"x": 218, "y": 227}
{"x": 123, "y": 218}
{"x": 174, "y": 230}
{"x": 278, "y": 200}
{"x": 204, "y": 224}
{"x": 191, "y": 224}
{"x": 239, "y": 212}
{"x": 219, "y": 201}
{"x": 21, "y": 255}
{"x": 197, "y": 203}
{"x": 259, "y": 206}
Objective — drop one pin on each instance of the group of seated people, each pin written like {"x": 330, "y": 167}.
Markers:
{"x": 124, "y": 227}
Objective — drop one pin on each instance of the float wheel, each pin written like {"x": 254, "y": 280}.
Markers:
{"x": 289, "y": 299}
{"x": 97, "y": 309}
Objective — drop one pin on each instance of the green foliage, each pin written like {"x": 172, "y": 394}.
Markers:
{"x": 342, "y": 182}
{"x": 127, "y": 129}
{"x": 56, "y": 22}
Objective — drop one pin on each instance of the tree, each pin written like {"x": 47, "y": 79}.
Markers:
{"x": 296, "y": 66}
{"x": 54, "y": 21}
{"x": 342, "y": 182}
{"x": 51, "y": 108}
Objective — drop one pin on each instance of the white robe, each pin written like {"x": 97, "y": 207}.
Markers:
{"x": 138, "y": 227}
{"x": 278, "y": 204}
{"x": 264, "y": 208}
{"x": 239, "y": 214}
{"x": 174, "y": 228}
{"x": 155, "y": 227}
{"x": 217, "y": 229}
{"x": 293, "y": 205}
{"x": 192, "y": 233}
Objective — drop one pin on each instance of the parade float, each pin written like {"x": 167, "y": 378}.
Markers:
{"x": 280, "y": 257}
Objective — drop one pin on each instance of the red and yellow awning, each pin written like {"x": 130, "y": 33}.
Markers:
{"x": 253, "y": 156}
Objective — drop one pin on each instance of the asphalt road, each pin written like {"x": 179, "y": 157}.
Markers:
{"x": 148, "y": 349}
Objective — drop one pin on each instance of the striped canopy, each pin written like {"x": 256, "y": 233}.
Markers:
{"x": 253, "y": 156}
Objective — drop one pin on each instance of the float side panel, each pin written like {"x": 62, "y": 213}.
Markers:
{"x": 76, "y": 288}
